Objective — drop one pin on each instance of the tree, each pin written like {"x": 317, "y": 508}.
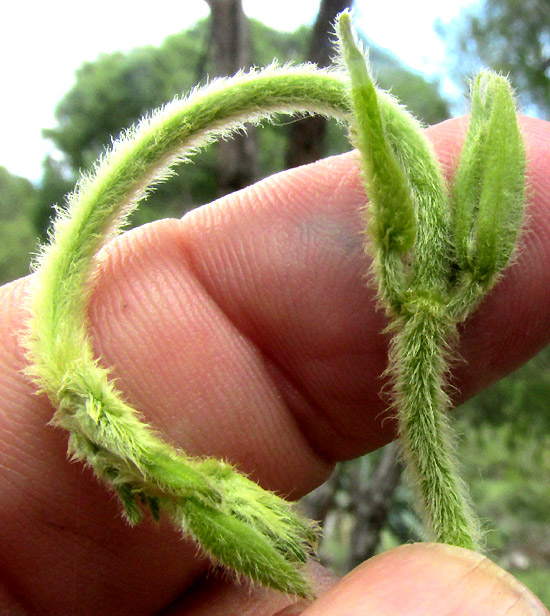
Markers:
{"x": 17, "y": 237}
{"x": 53, "y": 187}
{"x": 372, "y": 503}
{"x": 510, "y": 36}
{"x": 114, "y": 91}
{"x": 420, "y": 95}
{"x": 230, "y": 52}
{"x": 306, "y": 137}
{"x": 362, "y": 500}
{"x": 505, "y": 440}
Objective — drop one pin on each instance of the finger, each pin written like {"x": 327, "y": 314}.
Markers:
{"x": 283, "y": 263}
{"x": 210, "y": 597}
{"x": 244, "y": 331}
{"x": 428, "y": 579}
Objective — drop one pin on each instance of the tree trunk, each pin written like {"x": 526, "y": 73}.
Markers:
{"x": 230, "y": 52}
{"x": 306, "y": 137}
{"x": 372, "y": 504}
{"x": 319, "y": 503}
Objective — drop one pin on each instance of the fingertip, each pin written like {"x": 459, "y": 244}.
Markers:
{"x": 428, "y": 579}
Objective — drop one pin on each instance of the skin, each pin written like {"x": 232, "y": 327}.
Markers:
{"x": 246, "y": 330}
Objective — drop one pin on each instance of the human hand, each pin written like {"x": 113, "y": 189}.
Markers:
{"x": 246, "y": 331}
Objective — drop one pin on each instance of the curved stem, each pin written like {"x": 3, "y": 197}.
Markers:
{"x": 142, "y": 157}
{"x": 236, "y": 522}
{"x": 247, "y": 529}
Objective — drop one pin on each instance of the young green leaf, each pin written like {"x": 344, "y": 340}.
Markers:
{"x": 392, "y": 212}
{"x": 489, "y": 192}
{"x": 408, "y": 212}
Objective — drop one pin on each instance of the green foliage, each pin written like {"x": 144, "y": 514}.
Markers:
{"x": 51, "y": 190}
{"x": 512, "y": 37}
{"x": 504, "y": 450}
{"x": 268, "y": 44}
{"x": 247, "y": 529}
{"x": 251, "y": 531}
{"x": 15, "y": 196}
{"x": 536, "y": 579}
{"x": 508, "y": 491}
{"x": 520, "y": 401}
{"x": 116, "y": 90}
{"x": 488, "y": 191}
{"x": 17, "y": 236}
{"x": 507, "y": 470}
{"x": 422, "y": 97}
{"x": 354, "y": 500}
{"x": 392, "y": 216}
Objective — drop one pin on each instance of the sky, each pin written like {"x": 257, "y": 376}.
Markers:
{"x": 42, "y": 45}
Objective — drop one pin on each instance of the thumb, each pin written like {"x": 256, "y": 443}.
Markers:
{"x": 429, "y": 579}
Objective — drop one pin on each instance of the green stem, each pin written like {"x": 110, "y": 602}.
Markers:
{"x": 413, "y": 256}
{"x": 252, "y": 532}
{"x": 139, "y": 159}
{"x": 418, "y": 357}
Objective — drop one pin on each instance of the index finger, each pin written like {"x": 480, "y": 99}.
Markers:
{"x": 245, "y": 331}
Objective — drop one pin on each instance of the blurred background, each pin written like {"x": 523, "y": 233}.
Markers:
{"x": 74, "y": 76}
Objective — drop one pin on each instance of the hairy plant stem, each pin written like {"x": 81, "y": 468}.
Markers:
{"x": 418, "y": 366}
{"x": 247, "y": 529}
{"x": 432, "y": 262}
{"x": 143, "y": 157}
